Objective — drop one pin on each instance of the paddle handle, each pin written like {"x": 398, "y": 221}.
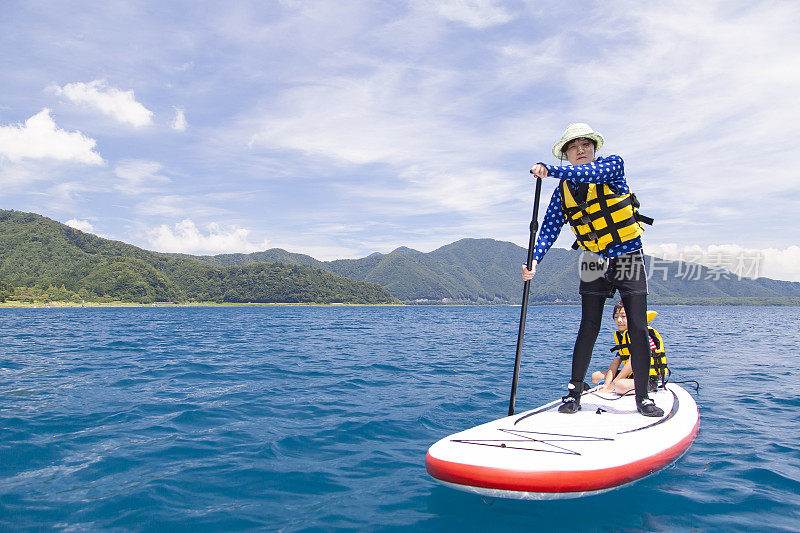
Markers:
{"x": 525, "y": 292}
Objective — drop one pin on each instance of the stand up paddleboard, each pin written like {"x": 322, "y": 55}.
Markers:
{"x": 543, "y": 454}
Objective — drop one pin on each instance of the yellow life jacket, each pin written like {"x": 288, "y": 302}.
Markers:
{"x": 658, "y": 357}
{"x": 604, "y": 219}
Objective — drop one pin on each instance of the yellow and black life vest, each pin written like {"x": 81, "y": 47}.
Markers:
{"x": 604, "y": 218}
{"x": 658, "y": 357}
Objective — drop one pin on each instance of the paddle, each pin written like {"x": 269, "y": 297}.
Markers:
{"x": 524, "y": 312}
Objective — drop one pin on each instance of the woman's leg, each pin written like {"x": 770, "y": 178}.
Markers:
{"x": 636, "y": 311}
{"x": 591, "y": 318}
{"x": 591, "y": 315}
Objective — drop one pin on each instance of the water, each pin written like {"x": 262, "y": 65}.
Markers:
{"x": 303, "y": 418}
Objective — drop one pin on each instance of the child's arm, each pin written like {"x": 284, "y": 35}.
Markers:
{"x": 624, "y": 373}
{"x": 612, "y": 370}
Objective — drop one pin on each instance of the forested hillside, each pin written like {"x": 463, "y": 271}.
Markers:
{"x": 41, "y": 258}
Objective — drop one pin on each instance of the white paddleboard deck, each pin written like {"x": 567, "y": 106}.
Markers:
{"x": 544, "y": 454}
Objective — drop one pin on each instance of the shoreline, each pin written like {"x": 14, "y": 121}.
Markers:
{"x": 790, "y": 302}
{"x": 63, "y": 305}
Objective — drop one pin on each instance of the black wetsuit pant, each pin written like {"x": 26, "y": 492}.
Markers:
{"x": 591, "y": 316}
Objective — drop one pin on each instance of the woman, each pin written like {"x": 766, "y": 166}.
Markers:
{"x": 594, "y": 198}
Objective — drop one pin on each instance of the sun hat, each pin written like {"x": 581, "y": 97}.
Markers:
{"x": 576, "y": 131}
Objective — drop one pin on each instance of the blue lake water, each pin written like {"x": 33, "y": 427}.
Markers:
{"x": 303, "y": 418}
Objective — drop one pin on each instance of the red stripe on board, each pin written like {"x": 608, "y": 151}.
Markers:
{"x": 555, "y": 481}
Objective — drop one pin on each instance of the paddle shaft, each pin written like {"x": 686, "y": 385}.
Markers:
{"x": 525, "y": 290}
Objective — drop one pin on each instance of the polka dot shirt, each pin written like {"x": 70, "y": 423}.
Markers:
{"x": 609, "y": 170}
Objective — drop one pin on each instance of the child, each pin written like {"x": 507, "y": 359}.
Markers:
{"x": 620, "y": 381}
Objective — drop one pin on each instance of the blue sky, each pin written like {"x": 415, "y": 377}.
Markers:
{"x": 343, "y": 128}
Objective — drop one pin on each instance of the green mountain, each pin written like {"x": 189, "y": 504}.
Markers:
{"x": 43, "y": 258}
{"x": 475, "y": 270}
{"x": 486, "y": 270}
{"x": 39, "y": 256}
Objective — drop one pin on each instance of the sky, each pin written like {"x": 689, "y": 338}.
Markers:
{"x": 342, "y": 128}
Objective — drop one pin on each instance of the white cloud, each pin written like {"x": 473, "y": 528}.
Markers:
{"x": 179, "y": 122}
{"x": 772, "y": 263}
{"x": 66, "y": 191}
{"x": 136, "y": 176}
{"x": 477, "y": 14}
{"x": 427, "y": 189}
{"x": 81, "y": 225}
{"x": 66, "y": 196}
{"x": 15, "y": 177}
{"x": 179, "y": 206}
{"x": 395, "y": 116}
{"x": 357, "y": 120}
{"x": 171, "y": 205}
{"x": 185, "y": 237}
{"x": 41, "y": 138}
{"x": 116, "y": 103}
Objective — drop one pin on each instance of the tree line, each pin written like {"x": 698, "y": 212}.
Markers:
{"x": 41, "y": 259}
